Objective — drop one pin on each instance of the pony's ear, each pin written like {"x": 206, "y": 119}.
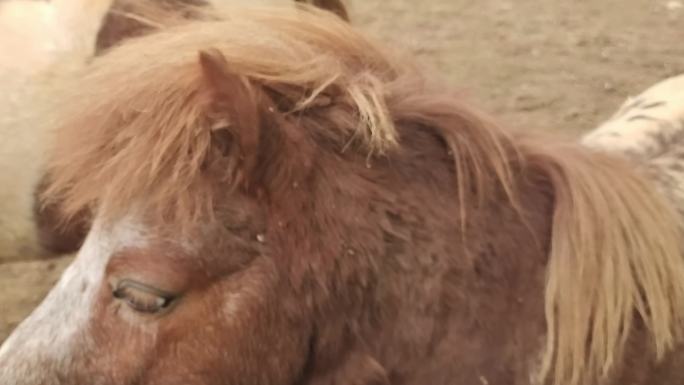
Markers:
{"x": 131, "y": 18}
{"x": 234, "y": 111}
{"x": 335, "y": 6}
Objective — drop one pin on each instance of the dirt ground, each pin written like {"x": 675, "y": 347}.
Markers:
{"x": 559, "y": 66}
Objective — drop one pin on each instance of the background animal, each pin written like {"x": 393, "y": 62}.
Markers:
{"x": 44, "y": 39}
{"x": 329, "y": 214}
{"x": 649, "y": 129}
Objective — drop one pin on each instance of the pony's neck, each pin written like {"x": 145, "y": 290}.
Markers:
{"x": 443, "y": 295}
{"x": 488, "y": 291}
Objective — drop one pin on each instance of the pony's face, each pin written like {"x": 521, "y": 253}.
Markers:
{"x": 140, "y": 307}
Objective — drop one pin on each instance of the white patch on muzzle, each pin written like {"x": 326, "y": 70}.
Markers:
{"x": 47, "y": 339}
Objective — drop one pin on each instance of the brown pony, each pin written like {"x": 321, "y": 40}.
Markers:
{"x": 279, "y": 200}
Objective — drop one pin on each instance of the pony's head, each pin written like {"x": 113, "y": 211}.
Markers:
{"x": 226, "y": 162}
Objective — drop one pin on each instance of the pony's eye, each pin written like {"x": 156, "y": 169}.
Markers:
{"x": 143, "y": 298}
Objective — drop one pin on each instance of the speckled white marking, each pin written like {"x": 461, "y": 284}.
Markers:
{"x": 646, "y": 125}
{"x": 54, "y": 330}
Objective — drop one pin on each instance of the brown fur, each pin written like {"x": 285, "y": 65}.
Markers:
{"x": 54, "y": 233}
{"x": 353, "y": 154}
{"x": 125, "y": 20}
{"x": 335, "y": 6}
{"x": 131, "y": 18}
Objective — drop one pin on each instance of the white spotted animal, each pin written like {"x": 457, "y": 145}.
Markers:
{"x": 649, "y": 128}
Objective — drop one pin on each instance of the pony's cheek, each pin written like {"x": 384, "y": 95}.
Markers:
{"x": 171, "y": 347}
{"x": 224, "y": 333}
{"x": 120, "y": 345}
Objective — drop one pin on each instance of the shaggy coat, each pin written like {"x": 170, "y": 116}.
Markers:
{"x": 324, "y": 213}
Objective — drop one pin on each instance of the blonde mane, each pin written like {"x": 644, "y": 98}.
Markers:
{"x": 130, "y": 129}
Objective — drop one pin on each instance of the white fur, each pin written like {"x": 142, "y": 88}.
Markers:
{"x": 646, "y": 125}
{"x": 56, "y": 326}
{"x": 649, "y": 129}
{"x": 44, "y": 39}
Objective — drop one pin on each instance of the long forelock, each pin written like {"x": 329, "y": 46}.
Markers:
{"x": 134, "y": 123}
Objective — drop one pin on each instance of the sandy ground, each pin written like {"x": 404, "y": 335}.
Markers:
{"x": 559, "y": 66}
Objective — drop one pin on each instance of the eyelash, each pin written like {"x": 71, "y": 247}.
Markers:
{"x": 143, "y": 298}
